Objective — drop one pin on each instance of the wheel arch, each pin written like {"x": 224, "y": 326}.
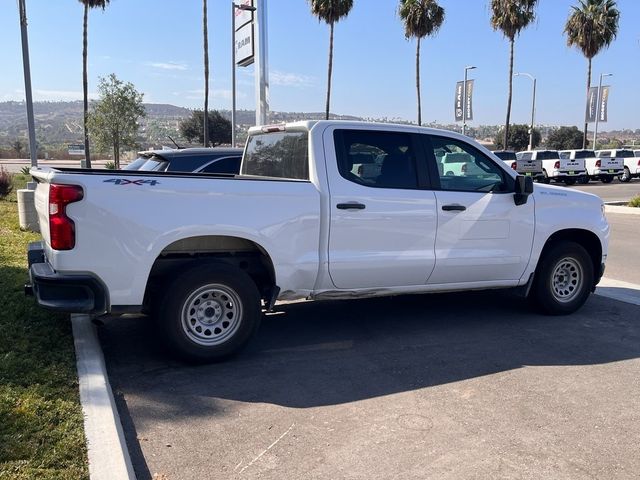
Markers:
{"x": 243, "y": 253}
{"x": 585, "y": 238}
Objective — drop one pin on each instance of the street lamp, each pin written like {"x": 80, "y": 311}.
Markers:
{"x": 464, "y": 99}
{"x": 233, "y": 66}
{"x": 599, "y": 99}
{"x": 533, "y": 106}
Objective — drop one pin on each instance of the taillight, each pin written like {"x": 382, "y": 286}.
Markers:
{"x": 514, "y": 165}
{"x": 598, "y": 163}
{"x": 61, "y": 228}
{"x": 639, "y": 163}
{"x": 556, "y": 165}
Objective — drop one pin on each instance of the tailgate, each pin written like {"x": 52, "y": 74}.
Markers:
{"x": 611, "y": 163}
{"x": 529, "y": 166}
{"x": 572, "y": 165}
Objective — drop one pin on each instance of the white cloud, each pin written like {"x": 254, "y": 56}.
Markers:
{"x": 198, "y": 94}
{"x": 168, "y": 65}
{"x": 288, "y": 79}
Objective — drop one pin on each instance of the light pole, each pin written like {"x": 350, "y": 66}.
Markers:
{"x": 33, "y": 149}
{"x": 599, "y": 99}
{"x": 533, "y": 106}
{"x": 233, "y": 65}
{"x": 464, "y": 99}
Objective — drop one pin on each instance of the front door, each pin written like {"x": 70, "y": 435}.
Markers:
{"x": 482, "y": 234}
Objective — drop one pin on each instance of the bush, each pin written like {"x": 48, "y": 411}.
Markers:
{"x": 6, "y": 185}
{"x": 25, "y": 170}
{"x": 635, "y": 202}
{"x": 110, "y": 165}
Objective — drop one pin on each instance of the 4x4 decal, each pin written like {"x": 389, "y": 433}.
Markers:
{"x": 124, "y": 181}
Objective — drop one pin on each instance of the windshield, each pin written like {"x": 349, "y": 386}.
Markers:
{"x": 584, "y": 154}
{"x": 548, "y": 155}
{"x": 505, "y": 155}
{"x": 154, "y": 164}
{"x": 136, "y": 164}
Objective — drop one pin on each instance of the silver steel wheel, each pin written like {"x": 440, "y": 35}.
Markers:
{"x": 211, "y": 315}
{"x": 567, "y": 279}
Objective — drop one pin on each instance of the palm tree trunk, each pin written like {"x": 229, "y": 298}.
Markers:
{"x": 508, "y": 120}
{"x": 418, "y": 81}
{"x": 85, "y": 87}
{"x": 586, "y": 124}
{"x": 330, "y": 69}
{"x": 205, "y": 121}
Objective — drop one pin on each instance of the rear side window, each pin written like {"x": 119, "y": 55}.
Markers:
{"x": 223, "y": 165}
{"x": 584, "y": 154}
{"x": 624, "y": 154}
{"x": 604, "y": 154}
{"x": 377, "y": 159}
{"x": 277, "y": 154}
{"x": 505, "y": 155}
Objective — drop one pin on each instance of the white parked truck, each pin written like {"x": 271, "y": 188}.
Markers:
{"x": 631, "y": 164}
{"x": 555, "y": 167}
{"x": 320, "y": 210}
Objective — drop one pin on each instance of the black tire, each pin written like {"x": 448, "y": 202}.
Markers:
{"x": 225, "y": 323}
{"x": 563, "y": 279}
{"x": 584, "y": 180}
{"x": 545, "y": 178}
{"x": 626, "y": 176}
{"x": 606, "y": 179}
{"x": 569, "y": 181}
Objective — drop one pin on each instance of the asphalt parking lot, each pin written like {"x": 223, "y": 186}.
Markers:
{"x": 467, "y": 385}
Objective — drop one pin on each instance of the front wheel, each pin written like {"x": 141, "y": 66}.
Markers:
{"x": 209, "y": 312}
{"x": 563, "y": 279}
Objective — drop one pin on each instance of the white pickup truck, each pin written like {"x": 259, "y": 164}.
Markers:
{"x": 320, "y": 210}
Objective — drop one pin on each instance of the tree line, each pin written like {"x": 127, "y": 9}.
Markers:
{"x": 591, "y": 26}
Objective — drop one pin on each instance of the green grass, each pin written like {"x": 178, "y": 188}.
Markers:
{"x": 41, "y": 423}
{"x": 634, "y": 202}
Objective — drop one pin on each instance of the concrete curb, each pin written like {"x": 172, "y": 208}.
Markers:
{"x": 610, "y": 208}
{"x": 108, "y": 454}
{"x": 619, "y": 290}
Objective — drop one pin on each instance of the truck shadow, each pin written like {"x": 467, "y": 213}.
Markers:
{"x": 333, "y": 352}
{"x": 324, "y": 353}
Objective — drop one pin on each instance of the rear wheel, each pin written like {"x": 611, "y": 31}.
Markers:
{"x": 583, "y": 180}
{"x": 626, "y": 176}
{"x": 606, "y": 179}
{"x": 563, "y": 279}
{"x": 210, "y": 312}
{"x": 545, "y": 177}
{"x": 569, "y": 181}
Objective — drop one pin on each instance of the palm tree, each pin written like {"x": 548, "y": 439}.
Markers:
{"x": 85, "y": 87}
{"x": 592, "y": 26}
{"x": 511, "y": 16}
{"x": 206, "y": 73}
{"x": 331, "y": 11}
{"x": 421, "y": 18}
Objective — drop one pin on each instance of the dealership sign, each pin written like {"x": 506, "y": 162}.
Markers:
{"x": 243, "y": 34}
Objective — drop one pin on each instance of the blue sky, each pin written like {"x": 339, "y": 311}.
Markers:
{"x": 156, "y": 44}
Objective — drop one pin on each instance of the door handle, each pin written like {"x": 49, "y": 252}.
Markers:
{"x": 454, "y": 208}
{"x": 351, "y": 206}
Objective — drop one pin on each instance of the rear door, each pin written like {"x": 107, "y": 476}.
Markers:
{"x": 383, "y": 220}
{"x": 482, "y": 235}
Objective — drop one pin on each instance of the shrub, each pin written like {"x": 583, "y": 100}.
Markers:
{"x": 635, "y": 202}
{"x": 5, "y": 183}
{"x": 25, "y": 170}
{"x": 110, "y": 165}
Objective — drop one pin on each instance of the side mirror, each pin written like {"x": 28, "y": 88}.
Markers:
{"x": 524, "y": 188}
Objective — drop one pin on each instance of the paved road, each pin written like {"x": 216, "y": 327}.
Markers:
{"x": 446, "y": 386}
{"x": 613, "y": 192}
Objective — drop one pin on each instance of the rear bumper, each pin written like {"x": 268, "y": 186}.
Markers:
{"x": 81, "y": 293}
{"x": 567, "y": 173}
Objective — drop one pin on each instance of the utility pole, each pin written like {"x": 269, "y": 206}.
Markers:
{"x": 261, "y": 67}
{"x": 33, "y": 149}
{"x": 599, "y": 99}
{"x": 464, "y": 100}
{"x": 533, "y": 106}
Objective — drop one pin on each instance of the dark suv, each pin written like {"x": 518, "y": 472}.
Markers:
{"x": 201, "y": 160}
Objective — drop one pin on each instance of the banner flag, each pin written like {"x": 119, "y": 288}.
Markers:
{"x": 459, "y": 102}
{"x": 592, "y": 105}
{"x": 469, "y": 100}
{"x": 604, "y": 104}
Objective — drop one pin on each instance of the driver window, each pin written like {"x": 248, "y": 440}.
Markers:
{"x": 463, "y": 168}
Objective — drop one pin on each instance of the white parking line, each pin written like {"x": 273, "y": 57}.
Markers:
{"x": 619, "y": 290}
